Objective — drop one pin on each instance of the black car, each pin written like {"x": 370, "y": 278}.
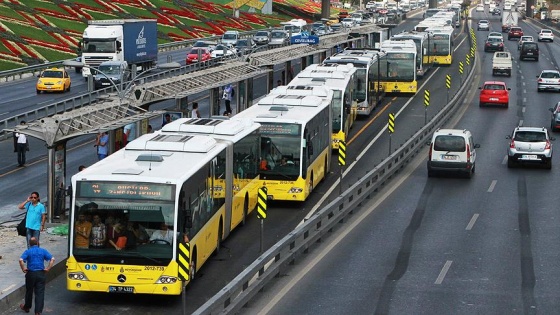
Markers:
{"x": 494, "y": 44}
{"x": 555, "y": 119}
{"x": 496, "y": 11}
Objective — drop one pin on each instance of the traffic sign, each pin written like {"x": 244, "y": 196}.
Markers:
{"x": 342, "y": 153}
{"x": 261, "y": 203}
{"x": 391, "y": 126}
{"x": 303, "y": 39}
{"x": 183, "y": 260}
{"x": 426, "y": 98}
{"x": 448, "y": 81}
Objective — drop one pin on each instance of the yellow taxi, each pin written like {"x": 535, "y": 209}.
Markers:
{"x": 333, "y": 20}
{"x": 53, "y": 79}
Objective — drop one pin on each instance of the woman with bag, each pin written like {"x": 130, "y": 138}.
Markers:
{"x": 35, "y": 217}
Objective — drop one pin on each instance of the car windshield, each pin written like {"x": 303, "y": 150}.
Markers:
{"x": 51, "y": 74}
{"x": 546, "y": 31}
{"x": 494, "y": 39}
{"x": 494, "y": 87}
{"x": 229, "y": 36}
{"x": 261, "y": 34}
{"x": 530, "y": 136}
{"x": 195, "y": 51}
{"x": 278, "y": 35}
{"x": 550, "y": 75}
{"x": 449, "y": 143}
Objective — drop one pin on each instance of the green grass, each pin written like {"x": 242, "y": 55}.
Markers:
{"x": 8, "y": 65}
{"x": 164, "y": 4}
{"x": 32, "y": 32}
{"x": 4, "y": 49}
{"x": 44, "y": 5}
{"x": 101, "y": 16}
{"x": 67, "y": 24}
{"x": 53, "y": 55}
{"x": 5, "y": 11}
{"x": 139, "y": 12}
{"x": 90, "y": 3}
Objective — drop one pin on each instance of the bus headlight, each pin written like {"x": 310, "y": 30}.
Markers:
{"x": 166, "y": 280}
{"x": 77, "y": 276}
{"x": 335, "y": 140}
{"x": 295, "y": 190}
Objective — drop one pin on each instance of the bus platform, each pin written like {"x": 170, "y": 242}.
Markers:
{"x": 12, "y": 283}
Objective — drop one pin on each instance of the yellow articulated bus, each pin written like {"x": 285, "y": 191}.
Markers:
{"x": 341, "y": 80}
{"x": 296, "y": 129}
{"x": 178, "y": 185}
{"x": 366, "y": 92}
{"x": 441, "y": 46}
{"x": 398, "y": 67}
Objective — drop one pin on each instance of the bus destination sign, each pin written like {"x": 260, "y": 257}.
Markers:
{"x": 125, "y": 190}
{"x": 280, "y": 129}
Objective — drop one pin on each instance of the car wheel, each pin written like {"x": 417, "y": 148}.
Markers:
{"x": 537, "y": 59}
{"x": 480, "y": 104}
{"x": 548, "y": 164}
{"x": 510, "y": 162}
{"x": 430, "y": 173}
{"x": 38, "y": 92}
{"x": 69, "y": 86}
{"x": 506, "y": 104}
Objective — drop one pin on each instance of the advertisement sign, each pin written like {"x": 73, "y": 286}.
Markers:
{"x": 305, "y": 39}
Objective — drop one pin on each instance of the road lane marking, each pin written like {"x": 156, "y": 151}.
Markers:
{"x": 520, "y": 122}
{"x": 472, "y": 222}
{"x": 492, "y": 185}
{"x": 523, "y": 109}
{"x": 504, "y": 161}
{"x": 443, "y": 272}
{"x": 8, "y": 288}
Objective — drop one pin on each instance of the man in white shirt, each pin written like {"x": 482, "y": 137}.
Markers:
{"x": 130, "y": 131}
{"x": 162, "y": 236}
{"x": 21, "y": 146}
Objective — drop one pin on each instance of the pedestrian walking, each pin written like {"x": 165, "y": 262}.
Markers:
{"x": 22, "y": 146}
{"x": 36, "y": 216}
{"x": 195, "y": 112}
{"x": 35, "y": 275}
{"x": 101, "y": 143}
{"x": 228, "y": 95}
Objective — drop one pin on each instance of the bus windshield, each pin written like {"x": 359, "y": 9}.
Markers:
{"x": 440, "y": 45}
{"x": 360, "y": 90}
{"x": 138, "y": 214}
{"x": 280, "y": 151}
{"x": 337, "y": 111}
{"x": 398, "y": 67}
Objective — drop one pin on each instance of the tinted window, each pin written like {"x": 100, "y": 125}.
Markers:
{"x": 530, "y": 46}
{"x": 449, "y": 143}
{"x": 530, "y": 136}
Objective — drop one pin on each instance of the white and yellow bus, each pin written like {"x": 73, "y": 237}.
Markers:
{"x": 422, "y": 41}
{"x": 398, "y": 67}
{"x": 441, "y": 45}
{"x": 366, "y": 92}
{"x": 296, "y": 129}
{"x": 172, "y": 183}
{"x": 341, "y": 80}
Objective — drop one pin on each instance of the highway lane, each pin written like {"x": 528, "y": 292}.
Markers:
{"x": 445, "y": 245}
{"x": 239, "y": 250}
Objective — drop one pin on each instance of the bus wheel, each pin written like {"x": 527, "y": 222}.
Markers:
{"x": 245, "y": 209}
{"x": 193, "y": 270}
{"x": 219, "y": 239}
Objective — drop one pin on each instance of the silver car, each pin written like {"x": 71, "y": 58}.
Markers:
{"x": 278, "y": 37}
{"x": 261, "y": 37}
{"x": 548, "y": 80}
{"x": 531, "y": 145}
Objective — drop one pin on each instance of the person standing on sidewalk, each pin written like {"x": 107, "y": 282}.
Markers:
{"x": 228, "y": 95}
{"x": 35, "y": 275}
{"x": 22, "y": 146}
{"x": 101, "y": 143}
{"x": 36, "y": 216}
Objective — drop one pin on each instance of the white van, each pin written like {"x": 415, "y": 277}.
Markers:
{"x": 452, "y": 150}
{"x": 230, "y": 37}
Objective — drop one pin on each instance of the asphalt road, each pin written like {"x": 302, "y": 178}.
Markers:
{"x": 447, "y": 245}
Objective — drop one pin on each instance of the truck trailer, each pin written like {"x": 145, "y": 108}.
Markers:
{"x": 509, "y": 19}
{"x": 130, "y": 40}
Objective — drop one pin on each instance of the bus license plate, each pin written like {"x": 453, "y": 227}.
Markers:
{"x": 119, "y": 289}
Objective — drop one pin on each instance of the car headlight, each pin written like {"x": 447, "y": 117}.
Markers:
{"x": 295, "y": 190}
{"x": 39, "y": 82}
{"x": 77, "y": 276}
{"x": 59, "y": 82}
{"x": 166, "y": 280}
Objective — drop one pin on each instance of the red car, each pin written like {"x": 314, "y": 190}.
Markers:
{"x": 515, "y": 32}
{"x": 192, "y": 56}
{"x": 494, "y": 93}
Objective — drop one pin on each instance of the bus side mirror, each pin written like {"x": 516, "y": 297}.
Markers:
{"x": 310, "y": 148}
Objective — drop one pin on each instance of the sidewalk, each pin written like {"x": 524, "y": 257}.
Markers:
{"x": 12, "y": 285}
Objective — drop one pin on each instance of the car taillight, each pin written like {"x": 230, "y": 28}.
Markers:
{"x": 512, "y": 144}
{"x": 547, "y": 146}
{"x": 501, "y": 45}
{"x": 468, "y": 153}
{"x": 539, "y": 80}
{"x": 430, "y": 153}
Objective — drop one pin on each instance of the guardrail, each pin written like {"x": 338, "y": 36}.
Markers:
{"x": 89, "y": 98}
{"x": 275, "y": 261}
{"x": 30, "y": 71}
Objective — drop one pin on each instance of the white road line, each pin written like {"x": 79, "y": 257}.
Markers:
{"x": 504, "y": 161}
{"x": 472, "y": 222}
{"x": 524, "y": 100}
{"x": 524, "y": 91}
{"x": 333, "y": 243}
{"x": 8, "y": 288}
{"x": 522, "y": 77}
{"x": 492, "y": 185}
{"x": 523, "y": 109}
{"x": 443, "y": 272}
{"x": 381, "y": 132}
{"x": 521, "y": 123}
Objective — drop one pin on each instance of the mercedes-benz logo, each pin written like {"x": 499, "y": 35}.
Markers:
{"x": 121, "y": 278}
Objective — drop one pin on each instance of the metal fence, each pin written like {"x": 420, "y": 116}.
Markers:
{"x": 275, "y": 261}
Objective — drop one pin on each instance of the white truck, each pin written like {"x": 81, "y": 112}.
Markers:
{"x": 502, "y": 63}
{"x": 509, "y": 19}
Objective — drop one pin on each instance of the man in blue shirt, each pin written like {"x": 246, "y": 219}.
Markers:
{"x": 102, "y": 144}
{"x": 36, "y": 216}
{"x": 35, "y": 275}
